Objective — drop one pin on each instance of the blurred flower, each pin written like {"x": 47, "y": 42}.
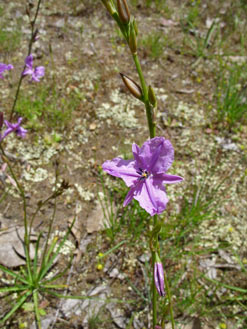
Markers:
{"x": 5, "y": 67}
{"x": 146, "y": 174}
{"x": 159, "y": 277}
{"x": 36, "y": 73}
{"x": 14, "y": 127}
{"x": 3, "y": 175}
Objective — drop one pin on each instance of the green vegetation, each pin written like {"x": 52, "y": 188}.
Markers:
{"x": 231, "y": 94}
{"x": 9, "y": 40}
{"x": 47, "y": 104}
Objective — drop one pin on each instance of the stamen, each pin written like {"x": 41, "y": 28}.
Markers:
{"x": 143, "y": 173}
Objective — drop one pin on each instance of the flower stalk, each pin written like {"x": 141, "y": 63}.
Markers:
{"x": 147, "y": 96}
{"x": 31, "y": 41}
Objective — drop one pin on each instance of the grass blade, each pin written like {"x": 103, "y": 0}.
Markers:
{"x": 16, "y": 306}
{"x": 36, "y": 308}
{"x": 48, "y": 265}
{"x": 13, "y": 274}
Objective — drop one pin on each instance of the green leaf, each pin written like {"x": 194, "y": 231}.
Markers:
{"x": 13, "y": 274}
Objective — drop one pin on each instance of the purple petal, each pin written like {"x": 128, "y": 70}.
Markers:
{"x": 129, "y": 196}
{"x": 168, "y": 179}
{"x": 29, "y": 61}
{"x": 156, "y": 155}
{"x": 134, "y": 190}
{"x": 9, "y": 67}
{"x": 136, "y": 151}
{"x": 7, "y": 132}
{"x": 159, "y": 278}
{"x": 152, "y": 196}
{"x": 124, "y": 169}
{"x": 28, "y": 71}
{"x": 5, "y": 67}
{"x": 39, "y": 71}
{"x": 8, "y": 124}
{"x": 21, "y": 132}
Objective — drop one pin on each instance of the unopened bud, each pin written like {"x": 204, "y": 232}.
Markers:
{"x": 135, "y": 27}
{"x": 151, "y": 96}
{"x": 1, "y": 120}
{"x": 109, "y": 6}
{"x": 123, "y": 11}
{"x": 133, "y": 87}
{"x": 159, "y": 276}
{"x": 132, "y": 39}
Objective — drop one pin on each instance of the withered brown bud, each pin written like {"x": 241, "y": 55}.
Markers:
{"x": 123, "y": 11}
{"x": 132, "y": 86}
{"x": 1, "y": 120}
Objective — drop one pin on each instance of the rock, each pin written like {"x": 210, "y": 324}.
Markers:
{"x": 12, "y": 253}
{"x": 45, "y": 323}
{"x": 60, "y": 23}
{"x": 117, "y": 316}
{"x": 144, "y": 258}
{"x": 96, "y": 221}
{"x": 91, "y": 307}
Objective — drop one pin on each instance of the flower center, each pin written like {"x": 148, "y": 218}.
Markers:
{"x": 143, "y": 173}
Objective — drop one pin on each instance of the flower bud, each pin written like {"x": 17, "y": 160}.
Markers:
{"x": 151, "y": 96}
{"x": 109, "y": 6}
{"x": 133, "y": 87}
{"x": 132, "y": 39}
{"x": 123, "y": 11}
{"x": 159, "y": 276}
{"x": 135, "y": 27}
{"x": 1, "y": 120}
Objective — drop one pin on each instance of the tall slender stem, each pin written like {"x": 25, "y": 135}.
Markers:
{"x": 31, "y": 41}
{"x": 149, "y": 111}
{"x": 22, "y": 193}
{"x": 169, "y": 299}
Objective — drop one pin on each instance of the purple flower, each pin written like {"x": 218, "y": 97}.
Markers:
{"x": 5, "y": 67}
{"x": 159, "y": 278}
{"x": 36, "y": 73}
{"x": 146, "y": 174}
{"x": 14, "y": 127}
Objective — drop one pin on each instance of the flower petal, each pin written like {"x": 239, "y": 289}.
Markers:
{"x": 124, "y": 169}
{"x": 169, "y": 179}
{"x": 21, "y": 132}
{"x": 130, "y": 196}
{"x": 156, "y": 155}
{"x": 29, "y": 61}
{"x": 28, "y": 71}
{"x": 39, "y": 71}
{"x": 152, "y": 196}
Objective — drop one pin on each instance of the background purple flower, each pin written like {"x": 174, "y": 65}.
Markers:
{"x": 14, "y": 127}
{"x": 36, "y": 73}
{"x": 146, "y": 174}
{"x": 5, "y": 67}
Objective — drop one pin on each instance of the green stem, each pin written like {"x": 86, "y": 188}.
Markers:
{"x": 169, "y": 299}
{"x": 31, "y": 41}
{"x": 155, "y": 294}
{"x": 149, "y": 111}
{"x": 22, "y": 193}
